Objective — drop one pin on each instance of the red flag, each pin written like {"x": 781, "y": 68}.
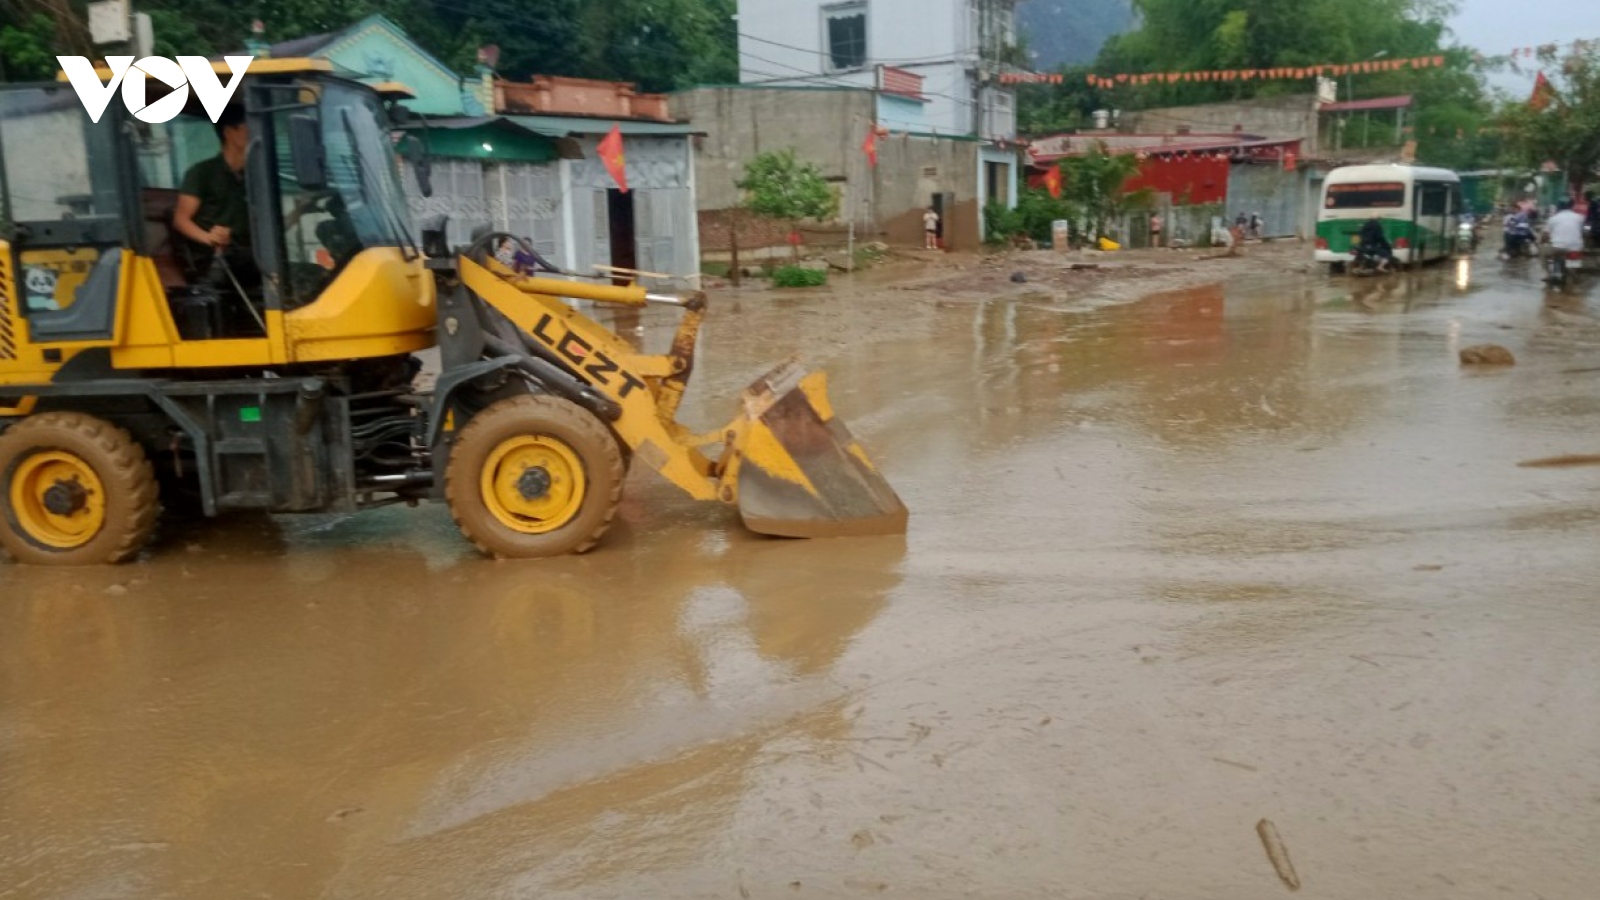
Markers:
{"x": 616, "y": 162}
{"x": 1543, "y": 94}
{"x": 1052, "y": 181}
{"x": 1438, "y": 61}
{"x": 870, "y": 146}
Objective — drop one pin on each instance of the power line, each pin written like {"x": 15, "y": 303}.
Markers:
{"x": 909, "y": 60}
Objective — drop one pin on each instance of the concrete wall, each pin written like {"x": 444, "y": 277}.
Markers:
{"x": 827, "y": 128}
{"x": 1271, "y": 117}
{"x": 824, "y": 126}
{"x": 901, "y": 114}
{"x": 910, "y": 171}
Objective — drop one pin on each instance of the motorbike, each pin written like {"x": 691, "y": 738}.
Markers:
{"x": 1466, "y": 237}
{"x": 1560, "y": 266}
{"x": 1520, "y": 241}
{"x": 1367, "y": 260}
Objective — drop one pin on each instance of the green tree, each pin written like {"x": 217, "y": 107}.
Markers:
{"x": 779, "y": 186}
{"x": 661, "y": 44}
{"x": 25, "y": 49}
{"x": 1095, "y": 183}
{"x": 1565, "y": 127}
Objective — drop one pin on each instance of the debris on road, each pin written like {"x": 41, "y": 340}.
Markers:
{"x": 1278, "y": 854}
{"x": 1561, "y": 462}
{"x": 1487, "y": 355}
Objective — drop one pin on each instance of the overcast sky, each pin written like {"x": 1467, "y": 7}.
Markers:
{"x": 1496, "y": 27}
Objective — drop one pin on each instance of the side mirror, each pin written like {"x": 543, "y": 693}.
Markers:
{"x": 305, "y": 149}
{"x": 415, "y": 153}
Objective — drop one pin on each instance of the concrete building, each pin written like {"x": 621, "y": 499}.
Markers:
{"x": 917, "y": 72}
{"x": 955, "y": 47}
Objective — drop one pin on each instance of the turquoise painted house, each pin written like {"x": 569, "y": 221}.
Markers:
{"x": 379, "y": 50}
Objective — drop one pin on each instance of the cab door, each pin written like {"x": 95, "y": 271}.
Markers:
{"x": 65, "y": 200}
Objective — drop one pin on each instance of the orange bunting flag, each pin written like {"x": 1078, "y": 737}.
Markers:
{"x": 1052, "y": 181}
{"x": 870, "y": 146}
{"x": 1438, "y": 61}
{"x": 616, "y": 162}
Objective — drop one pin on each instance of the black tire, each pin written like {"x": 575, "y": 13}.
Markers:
{"x": 128, "y": 501}
{"x": 554, "y": 423}
{"x": 1336, "y": 268}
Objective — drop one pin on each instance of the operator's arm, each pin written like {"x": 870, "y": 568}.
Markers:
{"x": 183, "y": 221}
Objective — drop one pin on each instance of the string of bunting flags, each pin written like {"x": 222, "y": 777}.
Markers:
{"x": 1577, "y": 48}
{"x": 1532, "y": 52}
{"x": 1107, "y": 82}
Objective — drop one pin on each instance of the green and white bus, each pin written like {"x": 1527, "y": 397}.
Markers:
{"x": 1418, "y": 208}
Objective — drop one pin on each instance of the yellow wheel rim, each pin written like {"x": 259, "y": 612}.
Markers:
{"x": 57, "y": 500}
{"x": 533, "y": 484}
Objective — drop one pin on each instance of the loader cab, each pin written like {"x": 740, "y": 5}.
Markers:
{"x": 330, "y": 269}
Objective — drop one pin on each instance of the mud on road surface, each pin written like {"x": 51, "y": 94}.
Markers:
{"x": 1205, "y": 596}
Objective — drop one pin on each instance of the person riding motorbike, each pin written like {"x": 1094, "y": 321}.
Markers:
{"x": 1373, "y": 244}
{"x": 1519, "y": 235}
{"x": 1564, "y": 232}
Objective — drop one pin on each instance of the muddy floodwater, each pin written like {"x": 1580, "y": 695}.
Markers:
{"x": 1198, "y": 589}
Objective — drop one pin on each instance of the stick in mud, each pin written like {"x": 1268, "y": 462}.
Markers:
{"x": 1558, "y": 462}
{"x": 1278, "y": 854}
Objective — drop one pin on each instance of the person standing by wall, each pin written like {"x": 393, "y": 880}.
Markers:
{"x": 1155, "y": 230}
{"x": 930, "y": 230}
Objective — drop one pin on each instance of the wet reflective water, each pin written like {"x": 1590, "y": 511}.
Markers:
{"x": 1174, "y": 567}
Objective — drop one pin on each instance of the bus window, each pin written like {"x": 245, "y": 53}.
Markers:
{"x": 1433, "y": 200}
{"x": 1385, "y": 195}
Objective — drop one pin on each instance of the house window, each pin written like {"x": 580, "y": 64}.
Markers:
{"x": 845, "y": 27}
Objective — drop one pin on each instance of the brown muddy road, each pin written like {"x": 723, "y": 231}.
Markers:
{"x": 1174, "y": 568}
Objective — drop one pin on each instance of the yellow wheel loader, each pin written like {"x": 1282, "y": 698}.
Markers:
{"x": 139, "y": 368}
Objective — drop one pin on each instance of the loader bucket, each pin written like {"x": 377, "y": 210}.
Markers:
{"x": 801, "y": 472}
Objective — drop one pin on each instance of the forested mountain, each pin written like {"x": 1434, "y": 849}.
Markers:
{"x": 661, "y": 44}
{"x": 1071, "y": 31}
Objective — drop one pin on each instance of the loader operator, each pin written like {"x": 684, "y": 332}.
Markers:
{"x": 213, "y": 210}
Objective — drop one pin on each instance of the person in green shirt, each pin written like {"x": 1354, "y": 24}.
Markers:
{"x": 213, "y": 209}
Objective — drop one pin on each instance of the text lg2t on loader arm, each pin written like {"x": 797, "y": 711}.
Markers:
{"x": 126, "y": 379}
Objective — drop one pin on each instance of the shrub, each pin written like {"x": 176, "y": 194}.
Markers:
{"x": 1001, "y": 223}
{"x": 798, "y": 276}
